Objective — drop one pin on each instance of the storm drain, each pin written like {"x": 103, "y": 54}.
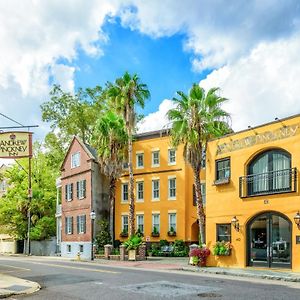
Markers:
{"x": 168, "y": 289}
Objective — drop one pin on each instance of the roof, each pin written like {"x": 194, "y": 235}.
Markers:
{"x": 152, "y": 134}
{"x": 90, "y": 151}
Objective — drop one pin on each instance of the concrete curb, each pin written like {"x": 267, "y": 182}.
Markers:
{"x": 10, "y": 286}
{"x": 243, "y": 274}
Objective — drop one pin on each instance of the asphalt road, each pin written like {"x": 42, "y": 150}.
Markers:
{"x": 76, "y": 280}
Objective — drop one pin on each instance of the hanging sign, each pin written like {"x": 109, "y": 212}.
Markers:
{"x": 15, "y": 144}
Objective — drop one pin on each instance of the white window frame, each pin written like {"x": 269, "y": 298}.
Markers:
{"x": 172, "y": 224}
{"x": 155, "y": 198}
{"x": 81, "y": 189}
{"x": 138, "y": 166}
{"x": 203, "y": 193}
{"x": 75, "y": 160}
{"x": 171, "y": 158}
{"x": 81, "y": 248}
{"x": 139, "y": 192}
{"x": 155, "y": 224}
{"x": 69, "y": 190}
{"x": 155, "y": 164}
{"x": 138, "y": 224}
{"x": 69, "y": 225}
{"x": 82, "y": 224}
{"x": 122, "y": 196}
{"x": 172, "y": 197}
{"x": 123, "y": 223}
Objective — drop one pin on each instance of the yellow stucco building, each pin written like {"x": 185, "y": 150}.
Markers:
{"x": 163, "y": 192}
{"x": 253, "y": 195}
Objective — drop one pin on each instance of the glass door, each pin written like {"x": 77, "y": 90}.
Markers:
{"x": 259, "y": 251}
{"x": 269, "y": 243}
{"x": 280, "y": 245}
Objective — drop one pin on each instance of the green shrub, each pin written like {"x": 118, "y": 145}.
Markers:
{"x": 133, "y": 243}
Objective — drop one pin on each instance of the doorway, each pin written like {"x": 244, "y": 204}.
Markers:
{"x": 269, "y": 241}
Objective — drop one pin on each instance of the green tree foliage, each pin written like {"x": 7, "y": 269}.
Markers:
{"x": 73, "y": 114}
{"x": 15, "y": 204}
{"x": 125, "y": 94}
{"x": 196, "y": 118}
{"x": 103, "y": 236}
{"x": 110, "y": 140}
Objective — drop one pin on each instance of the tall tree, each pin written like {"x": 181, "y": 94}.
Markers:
{"x": 15, "y": 204}
{"x": 196, "y": 118}
{"x": 110, "y": 140}
{"x": 126, "y": 93}
{"x": 73, "y": 114}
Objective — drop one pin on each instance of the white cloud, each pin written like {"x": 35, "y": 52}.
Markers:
{"x": 35, "y": 37}
{"x": 157, "y": 120}
{"x": 261, "y": 86}
{"x": 218, "y": 32}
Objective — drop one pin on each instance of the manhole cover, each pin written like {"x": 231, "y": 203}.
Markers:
{"x": 169, "y": 289}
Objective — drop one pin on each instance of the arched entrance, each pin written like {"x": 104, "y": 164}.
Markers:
{"x": 269, "y": 241}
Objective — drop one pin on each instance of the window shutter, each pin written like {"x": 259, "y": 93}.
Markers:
{"x": 71, "y": 191}
{"x": 84, "y": 188}
{"x": 84, "y": 223}
{"x": 66, "y": 192}
{"x": 71, "y": 225}
{"x": 66, "y": 225}
{"x": 78, "y": 224}
{"x": 77, "y": 189}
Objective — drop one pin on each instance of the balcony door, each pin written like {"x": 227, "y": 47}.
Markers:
{"x": 270, "y": 172}
{"x": 269, "y": 241}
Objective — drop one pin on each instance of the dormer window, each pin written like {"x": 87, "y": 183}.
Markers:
{"x": 75, "y": 160}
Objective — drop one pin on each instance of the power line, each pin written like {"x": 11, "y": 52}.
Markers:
{"x": 3, "y": 115}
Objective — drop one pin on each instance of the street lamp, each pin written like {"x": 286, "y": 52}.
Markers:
{"x": 235, "y": 223}
{"x": 93, "y": 217}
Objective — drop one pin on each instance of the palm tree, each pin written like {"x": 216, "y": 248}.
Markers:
{"x": 127, "y": 93}
{"x": 110, "y": 139}
{"x": 196, "y": 118}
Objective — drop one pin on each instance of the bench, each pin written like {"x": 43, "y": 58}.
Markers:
{"x": 166, "y": 250}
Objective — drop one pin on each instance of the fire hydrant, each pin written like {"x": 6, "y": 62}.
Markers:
{"x": 78, "y": 256}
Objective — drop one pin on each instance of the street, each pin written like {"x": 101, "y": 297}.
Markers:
{"x": 60, "y": 279}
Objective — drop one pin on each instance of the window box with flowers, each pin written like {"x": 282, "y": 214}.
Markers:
{"x": 222, "y": 248}
{"x": 171, "y": 232}
{"x": 155, "y": 232}
{"x": 124, "y": 233}
{"x": 198, "y": 256}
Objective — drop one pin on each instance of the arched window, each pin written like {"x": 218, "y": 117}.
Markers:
{"x": 270, "y": 171}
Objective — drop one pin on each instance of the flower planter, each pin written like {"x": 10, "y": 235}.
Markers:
{"x": 154, "y": 234}
{"x": 132, "y": 254}
{"x": 124, "y": 234}
{"x": 171, "y": 233}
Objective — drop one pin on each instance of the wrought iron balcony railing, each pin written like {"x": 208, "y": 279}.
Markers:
{"x": 275, "y": 182}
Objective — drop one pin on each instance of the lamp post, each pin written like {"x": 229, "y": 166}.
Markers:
{"x": 93, "y": 217}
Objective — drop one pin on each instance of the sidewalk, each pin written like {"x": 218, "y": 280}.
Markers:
{"x": 181, "y": 264}
{"x": 10, "y": 285}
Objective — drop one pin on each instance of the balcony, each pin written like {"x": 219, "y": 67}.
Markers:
{"x": 275, "y": 182}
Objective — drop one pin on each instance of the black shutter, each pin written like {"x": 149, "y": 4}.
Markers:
{"x": 84, "y": 224}
{"x": 66, "y": 192}
{"x": 77, "y": 224}
{"x": 72, "y": 224}
{"x": 84, "y": 188}
{"x": 66, "y": 225}
{"x": 71, "y": 191}
{"x": 77, "y": 189}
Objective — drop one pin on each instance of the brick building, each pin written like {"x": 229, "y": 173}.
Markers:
{"x": 84, "y": 189}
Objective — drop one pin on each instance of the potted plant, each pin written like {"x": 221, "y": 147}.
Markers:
{"x": 155, "y": 232}
{"x": 171, "y": 232}
{"x": 198, "y": 256}
{"x": 132, "y": 245}
{"x": 222, "y": 248}
{"x": 124, "y": 233}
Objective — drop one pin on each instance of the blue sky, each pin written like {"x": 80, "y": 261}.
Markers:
{"x": 250, "y": 49}
{"x": 161, "y": 63}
